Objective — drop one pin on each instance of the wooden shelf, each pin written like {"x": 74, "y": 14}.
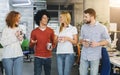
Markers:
{"x": 115, "y": 31}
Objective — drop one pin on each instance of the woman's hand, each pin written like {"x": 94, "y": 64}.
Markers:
{"x": 67, "y": 38}
{"x": 19, "y": 35}
{"x": 73, "y": 41}
{"x": 61, "y": 39}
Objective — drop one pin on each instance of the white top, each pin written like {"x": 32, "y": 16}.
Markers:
{"x": 66, "y": 47}
{"x": 10, "y": 43}
{"x": 1, "y": 54}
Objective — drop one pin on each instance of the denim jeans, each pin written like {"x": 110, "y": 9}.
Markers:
{"x": 65, "y": 63}
{"x": 39, "y": 62}
{"x": 13, "y": 66}
{"x": 84, "y": 65}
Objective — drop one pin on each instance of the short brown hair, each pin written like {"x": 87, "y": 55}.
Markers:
{"x": 11, "y": 18}
{"x": 90, "y": 11}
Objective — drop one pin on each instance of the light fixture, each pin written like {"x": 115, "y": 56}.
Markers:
{"x": 114, "y": 3}
{"x": 20, "y": 2}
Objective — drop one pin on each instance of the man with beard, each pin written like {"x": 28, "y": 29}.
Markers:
{"x": 93, "y": 35}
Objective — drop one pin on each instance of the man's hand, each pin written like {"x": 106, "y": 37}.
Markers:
{"x": 94, "y": 44}
{"x": 33, "y": 41}
{"x": 85, "y": 44}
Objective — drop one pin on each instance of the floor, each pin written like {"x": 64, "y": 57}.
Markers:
{"x": 28, "y": 68}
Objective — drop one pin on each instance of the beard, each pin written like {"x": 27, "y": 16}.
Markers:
{"x": 87, "y": 22}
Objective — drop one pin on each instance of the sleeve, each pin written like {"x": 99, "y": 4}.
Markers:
{"x": 81, "y": 33}
{"x": 75, "y": 30}
{"x": 32, "y": 37}
{"x": 8, "y": 38}
{"x": 105, "y": 35}
{"x": 53, "y": 38}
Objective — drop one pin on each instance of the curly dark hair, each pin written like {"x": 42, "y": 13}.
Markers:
{"x": 38, "y": 16}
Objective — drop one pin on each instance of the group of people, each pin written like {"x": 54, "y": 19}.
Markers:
{"x": 43, "y": 39}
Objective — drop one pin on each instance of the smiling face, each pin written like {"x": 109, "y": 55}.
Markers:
{"x": 62, "y": 20}
{"x": 12, "y": 19}
{"x": 87, "y": 18}
{"x": 65, "y": 18}
{"x": 18, "y": 19}
{"x": 44, "y": 20}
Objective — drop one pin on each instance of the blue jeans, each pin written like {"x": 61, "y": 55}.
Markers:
{"x": 39, "y": 62}
{"x": 13, "y": 66}
{"x": 94, "y": 66}
{"x": 65, "y": 63}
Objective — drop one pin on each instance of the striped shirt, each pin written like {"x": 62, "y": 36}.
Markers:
{"x": 97, "y": 33}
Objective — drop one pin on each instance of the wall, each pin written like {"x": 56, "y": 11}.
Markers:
{"x": 102, "y": 8}
{"x": 78, "y": 15}
{"x": 4, "y": 9}
{"x": 78, "y": 11}
{"x": 115, "y": 18}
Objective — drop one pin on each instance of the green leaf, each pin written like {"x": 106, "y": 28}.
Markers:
{"x": 1, "y": 46}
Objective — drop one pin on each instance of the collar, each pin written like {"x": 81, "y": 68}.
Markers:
{"x": 68, "y": 26}
{"x": 96, "y": 23}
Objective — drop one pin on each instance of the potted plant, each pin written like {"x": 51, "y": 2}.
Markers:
{"x": 1, "y": 46}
